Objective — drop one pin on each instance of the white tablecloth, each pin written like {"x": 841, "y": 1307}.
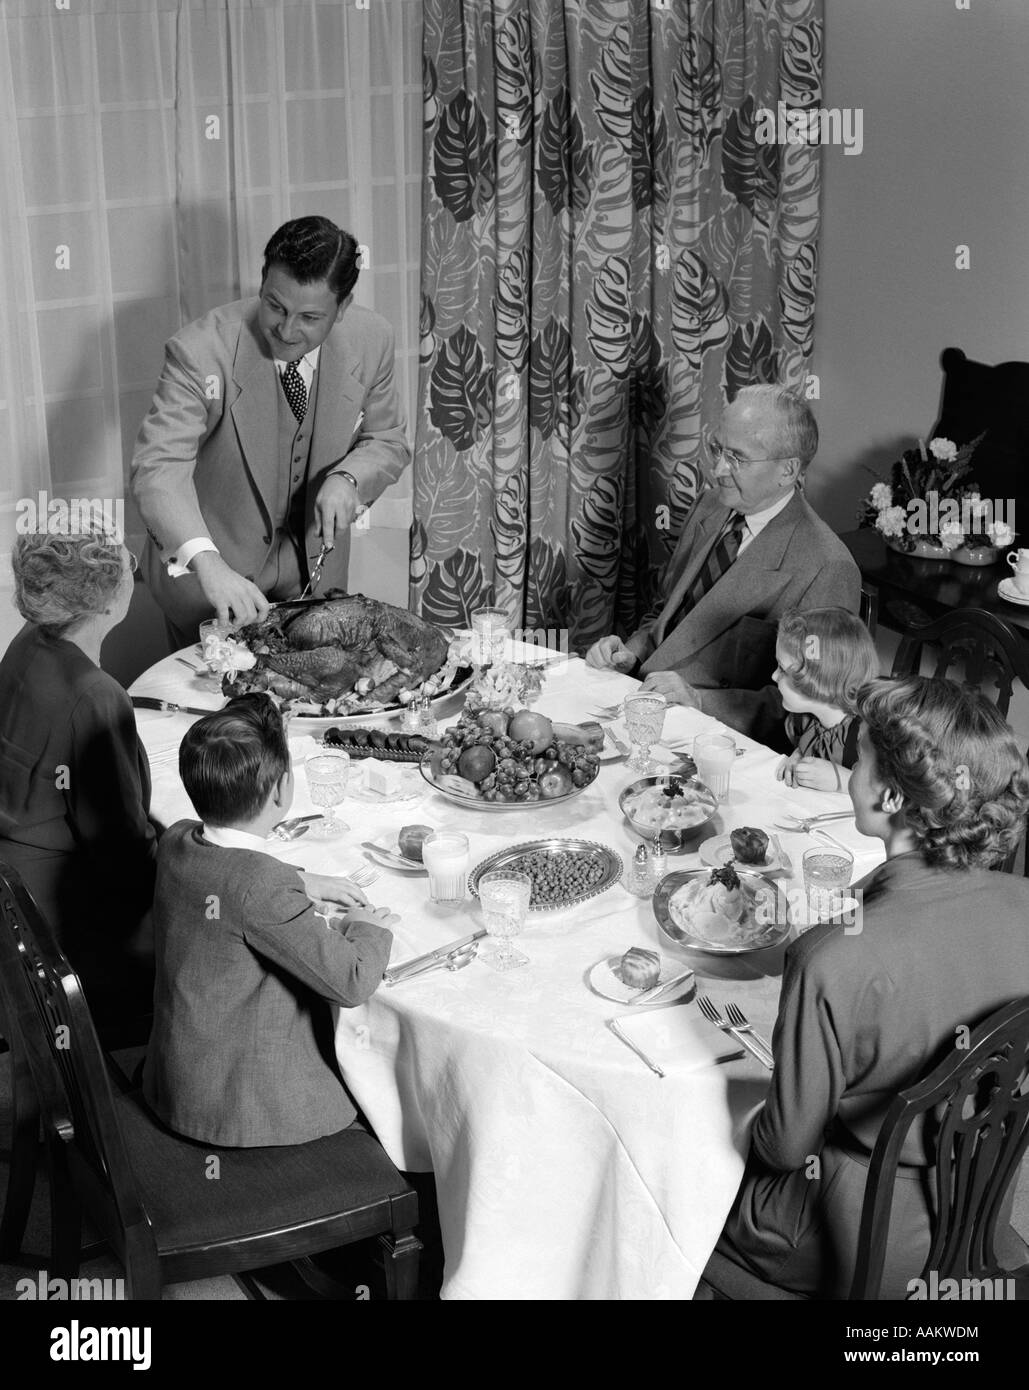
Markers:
{"x": 564, "y": 1168}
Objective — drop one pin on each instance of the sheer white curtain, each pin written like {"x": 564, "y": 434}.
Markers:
{"x": 148, "y": 148}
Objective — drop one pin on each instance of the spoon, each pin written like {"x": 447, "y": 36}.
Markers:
{"x": 457, "y": 960}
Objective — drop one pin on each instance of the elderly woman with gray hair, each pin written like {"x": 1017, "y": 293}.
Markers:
{"x": 74, "y": 779}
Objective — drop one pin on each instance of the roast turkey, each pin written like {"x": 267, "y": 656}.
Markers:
{"x": 319, "y": 651}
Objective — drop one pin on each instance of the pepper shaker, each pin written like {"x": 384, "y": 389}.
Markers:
{"x": 640, "y": 878}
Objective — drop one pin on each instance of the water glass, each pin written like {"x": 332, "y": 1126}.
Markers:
{"x": 445, "y": 855}
{"x": 827, "y": 872}
{"x": 211, "y": 634}
{"x": 504, "y": 895}
{"x": 644, "y": 717}
{"x": 327, "y": 774}
{"x": 715, "y": 755}
{"x": 489, "y": 636}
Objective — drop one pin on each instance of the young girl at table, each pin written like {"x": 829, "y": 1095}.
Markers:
{"x": 240, "y": 1053}
{"x": 824, "y": 656}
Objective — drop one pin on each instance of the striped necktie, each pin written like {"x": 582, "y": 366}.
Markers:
{"x": 723, "y": 553}
{"x": 296, "y": 391}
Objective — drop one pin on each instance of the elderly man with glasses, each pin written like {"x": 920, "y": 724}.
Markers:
{"x": 750, "y": 550}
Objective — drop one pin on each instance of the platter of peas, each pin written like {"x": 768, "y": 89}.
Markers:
{"x": 564, "y": 872}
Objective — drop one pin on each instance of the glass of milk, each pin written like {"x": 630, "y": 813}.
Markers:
{"x": 445, "y": 855}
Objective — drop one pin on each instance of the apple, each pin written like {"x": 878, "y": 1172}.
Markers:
{"x": 477, "y": 762}
{"x": 527, "y": 725}
{"x": 494, "y": 719}
{"x": 556, "y": 782}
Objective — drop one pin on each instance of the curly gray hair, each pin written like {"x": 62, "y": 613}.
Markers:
{"x": 59, "y": 579}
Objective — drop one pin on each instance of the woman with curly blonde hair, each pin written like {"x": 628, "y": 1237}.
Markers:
{"x": 867, "y": 1008}
{"x": 74, "y": 779}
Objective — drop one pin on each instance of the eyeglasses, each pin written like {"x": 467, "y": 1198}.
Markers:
{"x": 717, "y": 452}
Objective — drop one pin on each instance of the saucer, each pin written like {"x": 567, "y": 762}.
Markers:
{"x": 1006, "y": 589}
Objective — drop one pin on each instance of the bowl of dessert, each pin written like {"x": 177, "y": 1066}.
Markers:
{"x": 676, "y": 808}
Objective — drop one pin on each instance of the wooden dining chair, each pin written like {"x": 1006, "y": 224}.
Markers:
{"x": 977, "y": 1102}
{"x": 985, "y": 647}
{"x": 169, "y": 1208}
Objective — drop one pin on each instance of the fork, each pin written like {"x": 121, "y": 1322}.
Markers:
{"x": 738, "y": 1019}
{"x": 606, "y": 712}
{"x": 712, "y": 1015}
{"x": 801, "y": 825}
{"x": 363, "y": 876}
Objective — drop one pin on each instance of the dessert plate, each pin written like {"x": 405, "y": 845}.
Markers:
{"x": 602, "y": 980}
{"x": 718, "y": 851}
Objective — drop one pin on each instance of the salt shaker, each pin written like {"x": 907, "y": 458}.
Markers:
{"x": 427, "y": 725}
{"x": 658, "y": 860}
{"x": 640, "y": 878}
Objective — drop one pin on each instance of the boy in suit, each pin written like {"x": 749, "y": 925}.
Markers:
{"x": 241, "y": 1050}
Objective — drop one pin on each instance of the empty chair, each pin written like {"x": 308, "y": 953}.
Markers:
{"x": 169, "y": 1208}
{"x": 989, "y": 651}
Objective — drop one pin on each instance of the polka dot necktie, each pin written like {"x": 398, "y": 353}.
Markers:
{"x": 296, "y": 391}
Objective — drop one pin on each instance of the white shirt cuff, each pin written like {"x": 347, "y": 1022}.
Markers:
{"x": 178, "y": 564}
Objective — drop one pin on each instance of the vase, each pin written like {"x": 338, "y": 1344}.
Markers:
{"x": 975, "y": 555}
{"x": 923, "y": 550}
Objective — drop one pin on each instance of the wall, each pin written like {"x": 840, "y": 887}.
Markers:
{"x": 946, "y": 118}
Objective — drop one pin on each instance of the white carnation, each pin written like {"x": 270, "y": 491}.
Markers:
{"x": 1000, "y": 534}
{"x": 892, "y": 521}
{"x": 952, "y": 535}
{"x": 943, "y": 450}
{"x": 882, "y": 496}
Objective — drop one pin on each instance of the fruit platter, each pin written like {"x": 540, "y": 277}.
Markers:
{"x": 564, "y": 872}
{"x": 496, "y": 760}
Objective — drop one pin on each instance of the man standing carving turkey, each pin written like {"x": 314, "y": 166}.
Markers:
{"x": 275, "y": 423}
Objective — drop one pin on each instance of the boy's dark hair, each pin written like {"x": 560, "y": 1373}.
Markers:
{"x": 313, "y": 248}
{"x": 230, "y": 761}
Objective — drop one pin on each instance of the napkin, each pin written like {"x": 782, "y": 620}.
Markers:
{"x": 678, "y": 1037}
{"x": 302, "y": 747}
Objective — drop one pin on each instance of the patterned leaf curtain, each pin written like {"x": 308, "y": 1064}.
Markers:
{"x": 609, "y": 252}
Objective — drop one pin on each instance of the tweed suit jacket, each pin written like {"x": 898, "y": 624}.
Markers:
{"x": 241, "y": 1049}
{"x": 205, "y": 460}
{"x": 725, "y": 645}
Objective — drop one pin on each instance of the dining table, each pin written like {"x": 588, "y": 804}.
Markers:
{"x": 565, "y": 1167}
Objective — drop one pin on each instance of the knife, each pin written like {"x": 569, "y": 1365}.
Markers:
{"x": 400, "y": 972}
{"x": 752, "y": 1046}
{"x": 151, "y": 702}
{"x": 622, "y": 1037}
{"x": 649, "y": 995}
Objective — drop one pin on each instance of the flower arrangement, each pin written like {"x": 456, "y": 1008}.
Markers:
{"x": 932, "y": 497}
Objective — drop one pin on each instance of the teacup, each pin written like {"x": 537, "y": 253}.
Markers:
{"x": 1019, "y": 562}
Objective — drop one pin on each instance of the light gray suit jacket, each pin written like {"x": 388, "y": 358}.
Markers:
{"x": 725, "y": 646}
{"x": 205, "y": 462}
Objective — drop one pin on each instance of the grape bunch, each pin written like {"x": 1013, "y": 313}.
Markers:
{"x": 557, "y": 877}
{"x": 481, "y": 749}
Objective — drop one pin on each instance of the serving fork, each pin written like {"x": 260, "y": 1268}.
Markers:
{"x": 738, "y": 1019}
{"x": 710, "y": 1012}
